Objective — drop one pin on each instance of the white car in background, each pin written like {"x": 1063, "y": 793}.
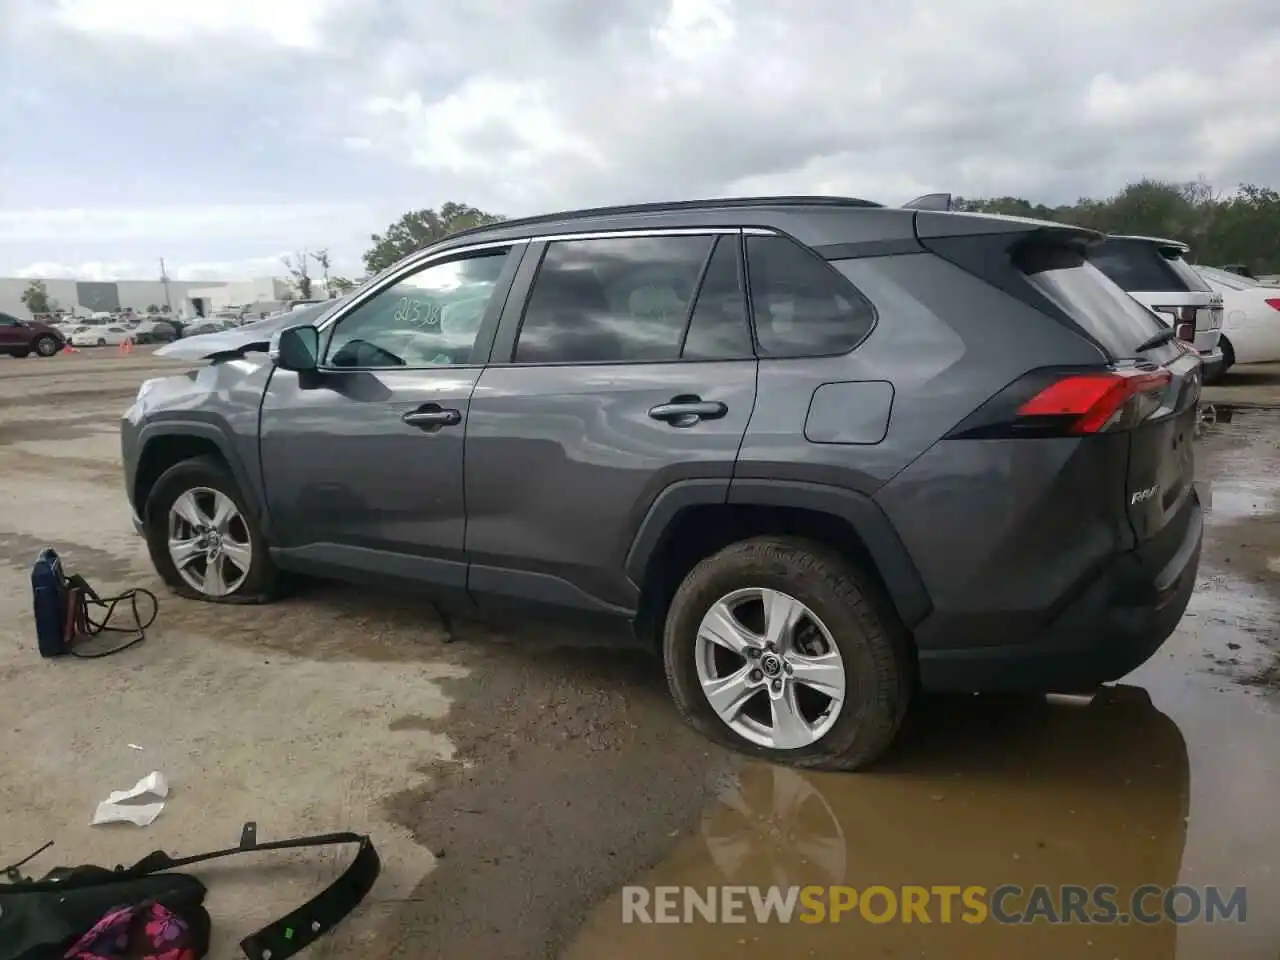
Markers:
{"x": 1250, "y": 317}
{"x": 109, "y": 336}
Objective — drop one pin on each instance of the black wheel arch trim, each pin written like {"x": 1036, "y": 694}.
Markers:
{"x": 662, "y": 512}
{"x": 906, "y": 588}
{"x": 205, "y": 431}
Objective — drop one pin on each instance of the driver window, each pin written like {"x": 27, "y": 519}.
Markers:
{"x": 428, "y": 318}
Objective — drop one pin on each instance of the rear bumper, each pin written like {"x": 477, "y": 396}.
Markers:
{"x": 1117, "y": 624}
{"x": 1211, "y": 363}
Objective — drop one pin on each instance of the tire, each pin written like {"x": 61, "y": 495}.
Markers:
{"x": 1228, "y": 358}
{"x": 258, "y": 583}
{"x": 878, "y": 668}
{"x": 46, "y": 346}
{"x": 21, "y": 354}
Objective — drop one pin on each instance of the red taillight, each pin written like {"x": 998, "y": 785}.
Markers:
{"x": 1098, "y": 401}
{"x": 1273, "y": 303}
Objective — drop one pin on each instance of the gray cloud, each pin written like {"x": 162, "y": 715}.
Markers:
{"x": 520, "y": 107}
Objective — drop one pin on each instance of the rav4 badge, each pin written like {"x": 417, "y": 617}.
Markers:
{"x": 1145, "y": 494}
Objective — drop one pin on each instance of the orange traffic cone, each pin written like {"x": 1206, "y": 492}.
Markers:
{"x": 126, "y": 345}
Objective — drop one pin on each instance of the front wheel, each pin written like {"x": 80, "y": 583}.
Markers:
{"x": 203, "y": 542}
{"x": 46, "y": 346}
{"x": 782, "y": 649}
{"x": 101, "y": 342}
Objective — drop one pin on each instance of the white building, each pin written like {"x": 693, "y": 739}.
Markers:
{"x": 186, "y": 298}
{"x": 239, "y": 293}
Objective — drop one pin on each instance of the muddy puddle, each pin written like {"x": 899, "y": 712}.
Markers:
{"x": 1171, "y": 778}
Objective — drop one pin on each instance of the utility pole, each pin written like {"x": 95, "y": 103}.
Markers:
{"x": 164, "y": 278}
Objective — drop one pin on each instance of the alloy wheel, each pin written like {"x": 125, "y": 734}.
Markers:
{"x": 209, "y": 541}
{"x": 770, "y": 668}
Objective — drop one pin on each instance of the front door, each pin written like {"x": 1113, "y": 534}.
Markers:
{"x": 12, "y": 334}
{"x": 362, "y": 463}
{"x": 632, "y": 370}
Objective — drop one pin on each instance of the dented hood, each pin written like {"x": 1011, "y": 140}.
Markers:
{"x": 251, "y": 337}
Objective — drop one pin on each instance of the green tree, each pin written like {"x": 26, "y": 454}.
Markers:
{"x": 322, "y": 257}
{"x": 419, "y": 228}
{"x": 340, "y": 285}
{"x": 152, "y": 309}
{"x": 297, "y": 267}
{"x": 1240, "y": 227}
{"x": 36, "y": 298}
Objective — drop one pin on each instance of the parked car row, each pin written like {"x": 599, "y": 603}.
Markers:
{"x": 141, "y": 332}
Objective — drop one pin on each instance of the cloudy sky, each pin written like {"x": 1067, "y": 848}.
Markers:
{"x": 221, "y": 133}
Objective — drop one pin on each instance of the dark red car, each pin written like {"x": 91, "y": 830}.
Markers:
{"x": 18, "y": 338}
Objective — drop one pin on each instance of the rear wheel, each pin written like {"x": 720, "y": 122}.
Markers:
{"x": 1228, "y": 357}
{"x": 780, "y": 648}
{"x": 102, "y": 342}
{"x": 21, "y": 353}
{"x": 46, "y": 346}
{"x": 203, "y": 541}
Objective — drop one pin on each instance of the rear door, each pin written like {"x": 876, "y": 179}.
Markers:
{"x": 623, "y": 366}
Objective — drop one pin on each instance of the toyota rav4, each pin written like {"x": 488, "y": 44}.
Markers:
{"x": 818, "y": 452}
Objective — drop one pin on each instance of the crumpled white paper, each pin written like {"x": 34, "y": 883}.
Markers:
{"x": 140, "y": 804}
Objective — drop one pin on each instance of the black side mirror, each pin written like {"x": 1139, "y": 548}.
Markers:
{"x": 297, "y": 349}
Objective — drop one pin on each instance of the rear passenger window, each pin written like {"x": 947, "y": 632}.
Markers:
{"x": 623, "y": 299}
{"x": 718, "y": 328}
{"x": 801, "y": 306}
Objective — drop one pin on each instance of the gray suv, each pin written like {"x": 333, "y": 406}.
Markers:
{"x": 819, "y": 452}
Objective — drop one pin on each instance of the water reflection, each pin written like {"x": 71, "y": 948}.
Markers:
{"x": 985, "y": 791}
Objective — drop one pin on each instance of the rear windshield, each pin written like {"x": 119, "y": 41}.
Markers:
{"x": 1141, "y": 266}
{"x": 1104, "y": 311}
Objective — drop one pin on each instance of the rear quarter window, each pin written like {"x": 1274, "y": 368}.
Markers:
{"x": 801, "y": 306}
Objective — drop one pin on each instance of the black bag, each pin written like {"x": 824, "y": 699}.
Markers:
{"x": 42, "y": 919}
{"x": 61, "y": 606}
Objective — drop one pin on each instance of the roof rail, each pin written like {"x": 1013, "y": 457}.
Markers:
{"x": 674, "y": 205}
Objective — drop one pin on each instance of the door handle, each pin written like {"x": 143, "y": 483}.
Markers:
{"x": 686, "y": 411}
{"x": 432, "y": 416}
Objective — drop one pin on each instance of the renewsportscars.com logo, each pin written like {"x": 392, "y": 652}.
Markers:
{"x": 1007, "y": 904}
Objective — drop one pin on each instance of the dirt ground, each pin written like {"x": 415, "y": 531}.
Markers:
{"x": 515, "y": 779}
{"x": 1253, "y": 385}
